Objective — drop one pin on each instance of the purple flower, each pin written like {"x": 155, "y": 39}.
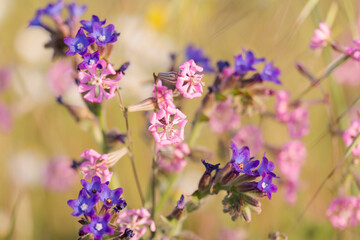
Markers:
{"x": 198, "y": 56}
{"x": 76, "y": 11}
{"x": 266, "y": 166}
{"x": 78, "y": 44}
{"x": 89, "y": 59}
{"x": 84, "y": 204}
{"x": 120, "y": 205}
{"x": 103, "y": 35}
{"x": 36, "y": 20}
{"x": 94, "y": 187}
{"x": 245, "y": 64}
{"x": 222, "y": 64}
{"x": 54, "y": 9}
{"x": 181, "y": 203}
{"x": 266, "y": 185}
{"x": 88, "y": 25}
{"x": 270, "y": 73}
{"x": 110, "y": 197}
{"x": 210, "y": 167}
{"x": 99, "y": 226}
{"x": 241, "y": 160}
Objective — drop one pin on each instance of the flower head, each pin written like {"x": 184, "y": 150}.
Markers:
{"x": 321, "y": 37}
{"x": 241, "y": 160}
{"x": 265, "y": 184}
{"x": 244, "y": 62}
{"x": 350, "y": 134}
{"x": 79, "y": 44}
{"x": 99, "y": 226}
{"x": 266, "y": 166}
{"x": 110, "y": 197}
{"x": 137, "y": 220}
{"x": 54, "y": 9}
{"x": 88, "y": 25}
{"x": 344, "y": 212}
{"x": 199, "y": 58}
{"x": 103, "y": 35}
{"x": 36, "y": 20}
{"x": 354, "y": 51}
{"x": 172, "y": 158}
{"x": 298, "y": 123}
{"x": 282, "y": 107}
{"x": 224, "y": 117}
{"x": 270, "y": 73}
{"x": 76, "y": 11}
{"x": 96, "y": 83}
{"x": 95, "y": 165}
{"x": 167, "y": 126}
{"x": 189, "y": 83}
{"x": 250, "y": 135}
{"x": 84, "y": 204}
{"x": 210, "y": 167}
{"x": 89, "y": 59}
{"x": 163, "y": 95}
{"x": 92, "y": 188}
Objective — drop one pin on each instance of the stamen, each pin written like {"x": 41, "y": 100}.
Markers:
{"x": 98, "y": 227}
{"x": 102, "y": 38}
{"x": 79, "y": 46}
{"x": 241, "y": 165}
{"x": 109, "y": 201}
{"x": 83, "y": 206}
{"x": 264, "y": 185}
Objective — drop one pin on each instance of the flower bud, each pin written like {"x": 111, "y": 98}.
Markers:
{"x": 246, "y": 214}
{"x": 170, "y": 77}
{"x": 252, "y": 201}
{"x": 145, "y": 105}
{"x": 179, "y": 210}
{"x": 246, "y": 186}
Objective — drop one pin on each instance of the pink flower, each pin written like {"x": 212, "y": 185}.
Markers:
{"x": 350, "y": 134}
{"x": 137, "y": 220}
{"x": 289, "y": 161}
{"x": 96, "y": 83}
{"x": 171, "y": 158}
{"x": 6, "y": 123}
{"x": 163, "y": 95}
{"x": 344, "y": 212}
{"x": 227, "y": 72}
{"x": 95, "y": 165}
{"x": 322, "y": 36}
{"x": 223, "y": 117}
{"x": 167, "y": 126}
{"x": 60, "y": 77}
{"x": 354, "y": 51}
{"x": 290, "y": 187}
{"x": 298, "y": 124}
{"x": 282, "y": 108}
{"x": 251, "y": 136}
{"x": 59, "y": 176}
{"x": 189, "y": 83}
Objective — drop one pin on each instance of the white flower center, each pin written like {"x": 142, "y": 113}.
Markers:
{"x": 96, "y": 81}
{"x": 84, "y": 206}
{"x": 98, "y": 227}
{"x": 91, "y": 62}
{"x": 264, "y": 185}
{"x": 79, "y": 45}
{"x": 101, "y": 38}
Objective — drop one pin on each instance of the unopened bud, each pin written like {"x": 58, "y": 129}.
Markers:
{"x": 246, "y": 186}
{"x": 252, "y": 201}
{"x": 246, "y": 214}
{"x": 115, "y": 156}
{"x": 145, "y": 105}
{"x": 179, "y": 210}
{"x": 170, "y": 77}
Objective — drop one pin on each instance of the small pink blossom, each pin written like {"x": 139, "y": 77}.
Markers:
{"x": 137, "y": 220}
{"x": 167, "y": 126}
{"x": 171, "y": 158}
{"x": 96, "y": 82}
{"x": 95, "y": 165}
{"x": 224, "y": 117}
{"x": 290, "y": 187}
{"x": 350, "y": 134}
{"x": 344, "y": 212}
{"x": 298, "y": 124}
{"x": 189, "y": 83}
{"x": 282, "y": 107}
{"x": 289, "y": 161}
{"x": 354, "y": 51}
{"x": 6, "y": 122}
{"x": 163, "y": 95}
{"x": 61, "y": 77}
{"x": 251, "y": 136}
{"x": 59, "y": 176}
{"x": 321, "y": 37}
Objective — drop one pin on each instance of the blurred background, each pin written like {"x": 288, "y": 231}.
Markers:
{"x": 40, "y": 130}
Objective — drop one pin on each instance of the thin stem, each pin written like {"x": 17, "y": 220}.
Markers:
{"x": 130, "y": 146}
{"x": 153, "y": 189}
{"x": 167, "y": 192}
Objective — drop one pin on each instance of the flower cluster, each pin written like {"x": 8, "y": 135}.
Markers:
{"x": 344, "y": 212}
{"x": 100, "y": 207}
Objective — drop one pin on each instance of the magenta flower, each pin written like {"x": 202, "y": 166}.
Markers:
{"x": 344, "y": 212}
{"x": 298, "y": 124}
{"x": 167, "y": 126}
{"x": 95, "y": 164}
{"x": 163, "y": 95}
{"x": 251, "y": 136}
{"x": 223, "y": 117}
{"x": 61, "y": 77}
{"x": 96, "y": 83}
{"x": 137, "y": 220}
{"x": 59, "y": 176}
{"x": 321, "y": 37}
{"x": 354, "y": 51}
{"x": 189, "y": 83}
{"x": 282, "y": 108}
{"x": 350, "y": 134}
{"x": 171, "y": 158}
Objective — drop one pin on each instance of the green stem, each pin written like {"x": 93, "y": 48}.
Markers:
{"x": 166, "y": 193}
